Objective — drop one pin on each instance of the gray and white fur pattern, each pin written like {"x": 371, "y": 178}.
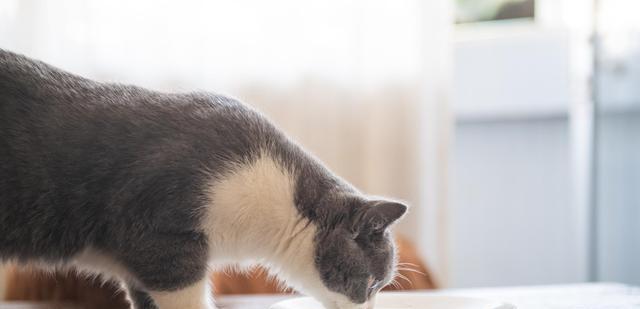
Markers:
{"x": 154, "y": 189}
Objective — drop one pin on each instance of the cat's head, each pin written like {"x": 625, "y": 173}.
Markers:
{"x": 354, "y": 254}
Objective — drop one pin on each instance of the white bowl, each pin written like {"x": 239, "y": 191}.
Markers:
{"x": 405, "y": 301}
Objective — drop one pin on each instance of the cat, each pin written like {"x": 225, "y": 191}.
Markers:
{"x": 153, "y": 189}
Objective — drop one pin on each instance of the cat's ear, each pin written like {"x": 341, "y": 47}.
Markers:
{"x": 379, "y": 215}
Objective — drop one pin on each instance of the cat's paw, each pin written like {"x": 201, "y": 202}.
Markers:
{"x": 196, "y": 296}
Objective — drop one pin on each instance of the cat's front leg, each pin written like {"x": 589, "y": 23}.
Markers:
{"x": 140, "y": 299}
{"x": 195, "y": 296}
{"x": 171, "y": 268}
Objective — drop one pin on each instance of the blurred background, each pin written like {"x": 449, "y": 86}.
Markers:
{"x": 512, "y": 127}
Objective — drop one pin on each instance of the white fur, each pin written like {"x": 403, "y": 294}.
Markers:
{"x": 250, "y": 211}
{"x": 196, "y": 296}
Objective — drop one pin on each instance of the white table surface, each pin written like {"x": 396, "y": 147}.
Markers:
{"x": 571, "y": 296}
{"x": 574, "y": 296}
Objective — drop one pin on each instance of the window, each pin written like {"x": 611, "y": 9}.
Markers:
{"x": 469, "y": 11}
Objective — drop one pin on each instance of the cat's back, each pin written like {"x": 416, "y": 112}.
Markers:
{"x": 52, "y": 121}
{"x": 47, "y": 113}
{"x": 26, "y": 78}
{"x": 31, "y": 87}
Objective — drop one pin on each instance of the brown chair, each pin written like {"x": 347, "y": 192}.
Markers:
{"x": 32, "y": 285}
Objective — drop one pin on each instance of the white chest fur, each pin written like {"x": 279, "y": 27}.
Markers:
{"x": 251, "y": 210}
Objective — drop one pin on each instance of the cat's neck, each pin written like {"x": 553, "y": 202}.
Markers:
{"x": 252, "y": 216}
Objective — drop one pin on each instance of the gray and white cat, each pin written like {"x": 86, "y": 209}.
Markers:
{"x": 155, "y": 188}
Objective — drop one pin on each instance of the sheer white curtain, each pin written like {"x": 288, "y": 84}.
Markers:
{"x": 360, "y": 83}
{"x": 222, "y": 44}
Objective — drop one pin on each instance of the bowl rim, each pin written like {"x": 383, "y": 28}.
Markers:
{"x": 499, "y": 304}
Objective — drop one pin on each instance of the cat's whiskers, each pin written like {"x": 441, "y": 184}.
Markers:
{"x": 394, "y": 283}
{"x": 407, "y": 264}
{"x": 403, "y": 277}
{"x": 411, "y": 270}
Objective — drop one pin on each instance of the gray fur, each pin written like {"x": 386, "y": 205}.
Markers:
{"x": 122, "y": 170}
